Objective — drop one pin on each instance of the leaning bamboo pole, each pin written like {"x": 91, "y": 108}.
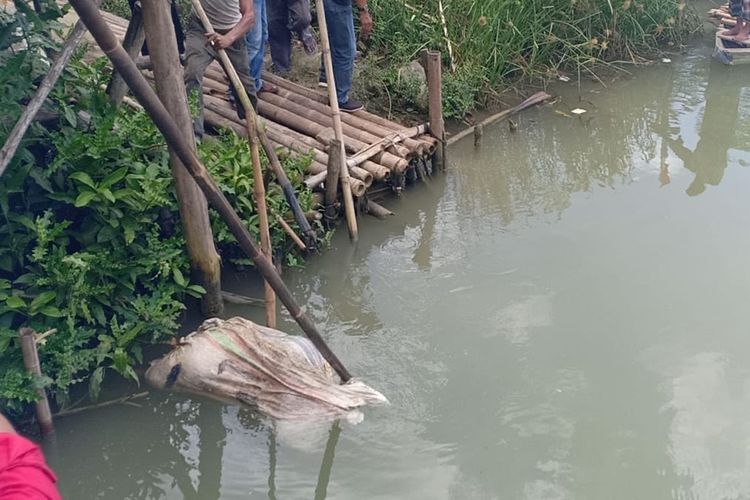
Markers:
{"x": 259, "y": 189}
{"x": 351, "y": 216}
{"x": 13, "y": 140}
{"x": 90, "y": 15}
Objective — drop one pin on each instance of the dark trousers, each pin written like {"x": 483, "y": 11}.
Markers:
{"x": 179, "y": 34}
{"x": 285, "y": 17}
{"x": 199, "y": 54}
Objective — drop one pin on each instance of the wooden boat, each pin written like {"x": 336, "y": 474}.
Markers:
{"x": 731, "y": 52}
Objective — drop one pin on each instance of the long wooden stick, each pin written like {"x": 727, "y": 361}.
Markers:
{"x": 531, "y": 101}
{"x": 333, "y": 102}
{"x": 259, "y": 189}
{"x": 35, "y": 104}
{"x": 251, "y": 116}
{"x": 31, "y": 362}
{"x": 132, "y": 43}
{"x": 106, "y": 40}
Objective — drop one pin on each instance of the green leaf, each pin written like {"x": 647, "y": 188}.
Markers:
{"x": 108, "y": 194}
{"x": 15, "y": 302}
{"x": 84, "y": 198}
{"x": 52, "y": 312}
{"x": 114, "y": 177}
{"x": 70, "y": 116}
{"x": 4, "y": 284}
{"x": 178, "y": 277}
{"x": 42, "y": 300}
{"x": 83, "y": 178}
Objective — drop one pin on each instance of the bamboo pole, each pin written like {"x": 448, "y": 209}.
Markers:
{"x": 205, "y": 260}
{"x": 296, "y": 239}
{"x": 31, "y": 362}
{"x": 13, "y": 140}
{"x": 257, "y": 125}
{"x": 259, "y": 190}
{"x": 89, "y": 13}
{"x": 351, "y": 216}
{"x": 132, "y": 43}
{"x": 377, "y": 210}
{"x": 435, "y": 103}
{"x": 331, "y": 194}
{"x": 535, "y": 99}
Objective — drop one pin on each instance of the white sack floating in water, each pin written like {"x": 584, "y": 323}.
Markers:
{"x": 283, "y": 376}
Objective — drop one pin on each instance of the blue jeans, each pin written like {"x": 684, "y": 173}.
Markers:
{"x": 340, "y": 19}
{"x": 256, "y": 40}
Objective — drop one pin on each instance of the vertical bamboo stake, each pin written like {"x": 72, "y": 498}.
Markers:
{"x": 132, "y": 43}
{"x": 332, "y": 179}
{"x": 478, "y": 134}
{"x": 259, "y": 189}
{"x": 435, "y": 99}
{"x": 333, "y": 102}
{"x": 31, "y": 362}
{"x": 170, "y": 87}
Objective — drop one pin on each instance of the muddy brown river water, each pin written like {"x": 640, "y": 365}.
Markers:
{"x": 565, "y": 314}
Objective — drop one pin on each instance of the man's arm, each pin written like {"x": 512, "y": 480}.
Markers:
{"x": 365, "y": 19}
{"x": 239, "y": 30}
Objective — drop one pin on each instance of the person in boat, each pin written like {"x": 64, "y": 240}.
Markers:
{"x": 231, "y": 20}
{"x": 739, "y": 9}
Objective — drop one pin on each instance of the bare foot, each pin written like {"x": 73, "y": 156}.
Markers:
{"x": 733, "y": 31}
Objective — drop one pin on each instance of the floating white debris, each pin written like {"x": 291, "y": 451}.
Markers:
{"x": 563, "y": 78}
{"x": 666, "y": 60}
{"x": 578, "y": 111}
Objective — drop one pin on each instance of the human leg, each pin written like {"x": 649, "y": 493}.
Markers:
{"x": 198, "y": 56}
{"x": 279, "y": 36}
{"x": 255, "y": 44}
{"x": 237, "y": 54}
{"x": 744, "y": 32}
{"x": 342, "y": 38}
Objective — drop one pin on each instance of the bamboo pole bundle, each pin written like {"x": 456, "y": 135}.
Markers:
{"x": 357, "y": 185}
{"x": 303, "y": 111}
{"x": 415, "y": 148}
{"x": 225, "y": 117}
{"x": 295, "y": 122}
{"x": 321, "y": 98}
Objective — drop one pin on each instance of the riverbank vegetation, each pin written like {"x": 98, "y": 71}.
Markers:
{"x": 90, "y": 238}
{"x": 491, "y": 45}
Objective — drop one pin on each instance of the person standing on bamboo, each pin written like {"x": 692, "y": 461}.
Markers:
{"x": 256, "y": 40}
{"x": 285, "y": 18}
{"x": 343, "y": 40}
{"x": 740, "y": 9}
{"x": 231, "y": 19}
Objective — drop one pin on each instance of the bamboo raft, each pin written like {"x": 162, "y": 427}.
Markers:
{"x": 382, "y": 155}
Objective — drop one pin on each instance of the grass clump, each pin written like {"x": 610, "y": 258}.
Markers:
{"x": 499, "y": 42}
